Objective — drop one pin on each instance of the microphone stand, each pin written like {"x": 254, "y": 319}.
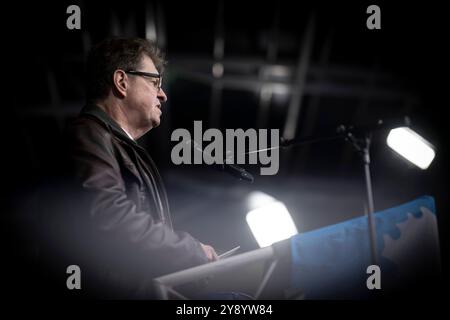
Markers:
{"x": 360, "y": 138}
{"x": 362, "y": 146}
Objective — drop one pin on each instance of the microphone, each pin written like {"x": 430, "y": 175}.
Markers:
{"x": 232, "y": 169}
{"x": 235, "y": 171}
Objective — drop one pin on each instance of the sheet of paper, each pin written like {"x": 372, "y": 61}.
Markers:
{"x": 229, "y": 252}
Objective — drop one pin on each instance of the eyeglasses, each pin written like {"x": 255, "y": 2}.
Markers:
{"x": 157, "y": 83}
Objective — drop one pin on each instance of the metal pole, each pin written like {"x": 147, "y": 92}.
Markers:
{"x": 371, "y": 219}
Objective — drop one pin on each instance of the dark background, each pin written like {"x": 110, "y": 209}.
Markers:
{"x": 353, "y": 76}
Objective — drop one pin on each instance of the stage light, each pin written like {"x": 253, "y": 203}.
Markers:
{"x": 411, "y": 146}
{"x": 257, "y": 199}
{"x": 270, "y": 221}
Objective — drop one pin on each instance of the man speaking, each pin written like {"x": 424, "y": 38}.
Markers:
{"x": 118, "y": 228}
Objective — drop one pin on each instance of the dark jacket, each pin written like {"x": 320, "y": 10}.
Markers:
{"x": 119, "y": 224}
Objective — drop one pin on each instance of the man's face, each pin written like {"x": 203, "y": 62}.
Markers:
{"x": 144, "y": 99}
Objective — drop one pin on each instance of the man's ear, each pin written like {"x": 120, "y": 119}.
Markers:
{"x": 120, "y": 81}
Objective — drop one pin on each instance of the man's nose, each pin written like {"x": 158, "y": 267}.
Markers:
{"x": 162, "y": 96}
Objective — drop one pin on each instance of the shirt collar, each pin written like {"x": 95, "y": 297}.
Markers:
{"x": 129, "y": 135}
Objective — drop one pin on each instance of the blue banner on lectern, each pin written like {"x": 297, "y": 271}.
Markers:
{"x": 331, "y": 262}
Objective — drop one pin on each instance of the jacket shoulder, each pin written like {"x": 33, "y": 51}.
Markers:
{"x": 88, "y": 128}
{"x": 87, "y": 124}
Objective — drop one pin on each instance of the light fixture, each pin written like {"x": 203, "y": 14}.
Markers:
{"x": 411, "y": 146}
{"x": 269, "y": 220}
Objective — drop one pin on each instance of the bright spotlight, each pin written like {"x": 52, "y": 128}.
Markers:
{"x": 257, "y": 199}
{"x": 271, "y": 222}
{"x": 411, "y": 146}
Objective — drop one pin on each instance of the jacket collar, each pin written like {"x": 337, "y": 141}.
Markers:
{"x": 98, "y": 113}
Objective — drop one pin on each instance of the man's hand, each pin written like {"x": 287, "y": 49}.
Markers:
{"x": 210, "y": 253}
